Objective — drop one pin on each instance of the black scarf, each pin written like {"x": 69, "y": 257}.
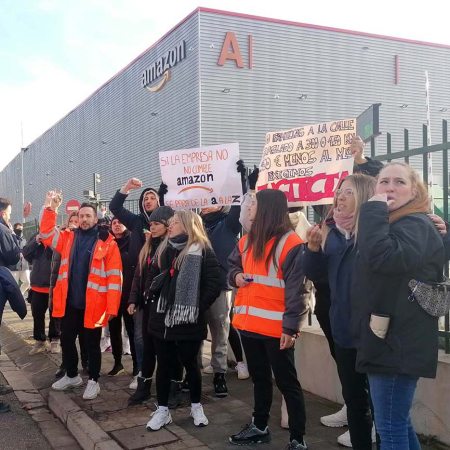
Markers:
{"x": 211, "y": 220}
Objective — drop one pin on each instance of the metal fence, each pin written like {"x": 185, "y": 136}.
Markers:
{"x": 438, "y": 151}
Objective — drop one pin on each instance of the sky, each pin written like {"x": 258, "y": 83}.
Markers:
{"x": 55, "y": 53}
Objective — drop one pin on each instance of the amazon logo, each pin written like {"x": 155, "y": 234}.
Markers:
{"x": 161, "y": 67}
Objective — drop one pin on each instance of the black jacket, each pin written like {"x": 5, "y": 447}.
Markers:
{"x": 124, "y": 247}
{"x": 41, "y": 259}
{"x": 9, "y": 250}
{"x": 389, "y": 256}
{"x": 9, "y": 291}
{"x": 137, "y": 294}
{"x": 223, "y": 234}
{"x": 22, "y": 264}
{"x": 136, "y": 224}
{"x": 209, "y": 291}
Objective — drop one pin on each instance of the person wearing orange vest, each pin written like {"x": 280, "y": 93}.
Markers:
{"x": 270, "y": 308}
{"x": 88, "y": 290}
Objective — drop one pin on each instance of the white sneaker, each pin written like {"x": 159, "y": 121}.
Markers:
{"x": 242, "y": 371}
{"x": 160, "y": 418}
{"x": 55, "y": 347}
{"x": 208, "y": 369}
{"x": 66, "y": 383}
{"x": 105, "y": 342}
{"x": 126, "y": 349}
{"x": 344, "y": 439}
{"x": 38, "y": 347}
{"x": 134, "y": 384}
{"x": 92, "y": 390}
{"x": 336, "y": 420}
{"x": 199, "y": 417}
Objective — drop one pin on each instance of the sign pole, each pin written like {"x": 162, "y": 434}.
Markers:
{"x": 430, "y": 158}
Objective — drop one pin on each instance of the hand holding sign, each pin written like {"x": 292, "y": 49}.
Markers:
{"x": 357, "y": 150}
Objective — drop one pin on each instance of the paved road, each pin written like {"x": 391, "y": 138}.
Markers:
{"x": 18, "y": 431}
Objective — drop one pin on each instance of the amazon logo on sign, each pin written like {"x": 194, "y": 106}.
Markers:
{"x": 161, "y": 67}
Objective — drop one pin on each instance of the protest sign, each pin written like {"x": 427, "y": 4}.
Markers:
{"x": 307, "y": 162}
{"x": 201, "y": 177}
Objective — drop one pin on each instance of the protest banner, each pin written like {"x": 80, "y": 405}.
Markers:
{"x": 307, "y": 162}
{"x": 201, "y": 177}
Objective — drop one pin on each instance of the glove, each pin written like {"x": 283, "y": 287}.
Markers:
{"x": 162, "y": 191}
{"x": 253, "y": 178}
{"x": 241, "y": 169}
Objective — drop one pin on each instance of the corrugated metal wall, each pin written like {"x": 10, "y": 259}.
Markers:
{"x": 334, "y": 69}
{"x": 113, "y": 133}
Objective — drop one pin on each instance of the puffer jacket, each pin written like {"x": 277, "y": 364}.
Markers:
{"x": 389, "y": 256}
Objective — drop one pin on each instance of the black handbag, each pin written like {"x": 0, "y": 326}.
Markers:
{"x": 434, "y": 298}
{"x": 158, "y": 283}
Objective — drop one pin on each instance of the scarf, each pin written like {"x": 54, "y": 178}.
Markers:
{"x": 211, "y": 220}
{"x": 180, "y": 300}
{"x": 420, "y": 204}
{"x": 344, "y": 220}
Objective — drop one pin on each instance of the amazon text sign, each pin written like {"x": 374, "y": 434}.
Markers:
{"x": 201, "y": 177}
{"x": 307, "y": 162}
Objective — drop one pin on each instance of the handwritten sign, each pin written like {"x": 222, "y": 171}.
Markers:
{"x": 306, "y": 163}
{"x": 201, "y": 177}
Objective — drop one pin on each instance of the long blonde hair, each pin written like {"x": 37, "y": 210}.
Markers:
{"x": 72, "y": 214}
{"x": 195, "y": 230}
{"x": 364, "y": 189}
{"x": 421, "y": 201}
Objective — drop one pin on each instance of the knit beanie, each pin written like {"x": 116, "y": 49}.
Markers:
{"x": 162, "y": 215}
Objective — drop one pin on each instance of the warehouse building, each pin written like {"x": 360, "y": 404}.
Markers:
{"x": 220, "y": 77}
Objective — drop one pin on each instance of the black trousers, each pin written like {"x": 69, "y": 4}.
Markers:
{"x": 355, "y": 390}
{"x": 322, "y": 312}
{"x": 166, "y": 352}
{"x": 115, "y": 331}
{"x": 72, "y": 325}
{"x": 149, "y": 356}
{"x": 235, "y": 341}
{"x": 39, "y": 306}
{"x": 263, "y": 357}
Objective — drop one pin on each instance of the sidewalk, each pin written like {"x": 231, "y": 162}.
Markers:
{"x": 112, "y": 425}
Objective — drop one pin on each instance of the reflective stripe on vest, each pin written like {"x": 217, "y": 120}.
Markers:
{"x": 258, "y": 312}
{"x": 64, "y": 261}
{"x": 108, "y": 273}
{"x": 62, "y": 276}
{"x": 55, "y": 238}
{"x": 96, "y": 287}
{"x": 271, "y": 279}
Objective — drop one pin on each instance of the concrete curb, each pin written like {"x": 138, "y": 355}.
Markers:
{"x": 86, "y": 432}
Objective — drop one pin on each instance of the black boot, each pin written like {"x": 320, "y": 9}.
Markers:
{"x": 4, "y": 407}
{"x": 176, "y": 395}
{"x": 142, "y": 392}
{"x": 220, "y": 385}
{"x": 116, "y": 370}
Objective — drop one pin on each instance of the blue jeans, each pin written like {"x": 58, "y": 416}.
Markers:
{"x": 138, "y": 338}
{"x": 392, "y": 398}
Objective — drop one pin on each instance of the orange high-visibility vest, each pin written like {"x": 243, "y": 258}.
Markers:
{"x": 259, "y": 307}
{"x": 104, "y": 286}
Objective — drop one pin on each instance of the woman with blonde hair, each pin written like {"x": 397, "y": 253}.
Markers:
{"x": 182, "y": 283}
{"x": 332, "y": 251}
{"x": 397, "y": 340}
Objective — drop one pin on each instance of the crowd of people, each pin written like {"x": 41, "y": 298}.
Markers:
{"x": 170, "y": 276}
